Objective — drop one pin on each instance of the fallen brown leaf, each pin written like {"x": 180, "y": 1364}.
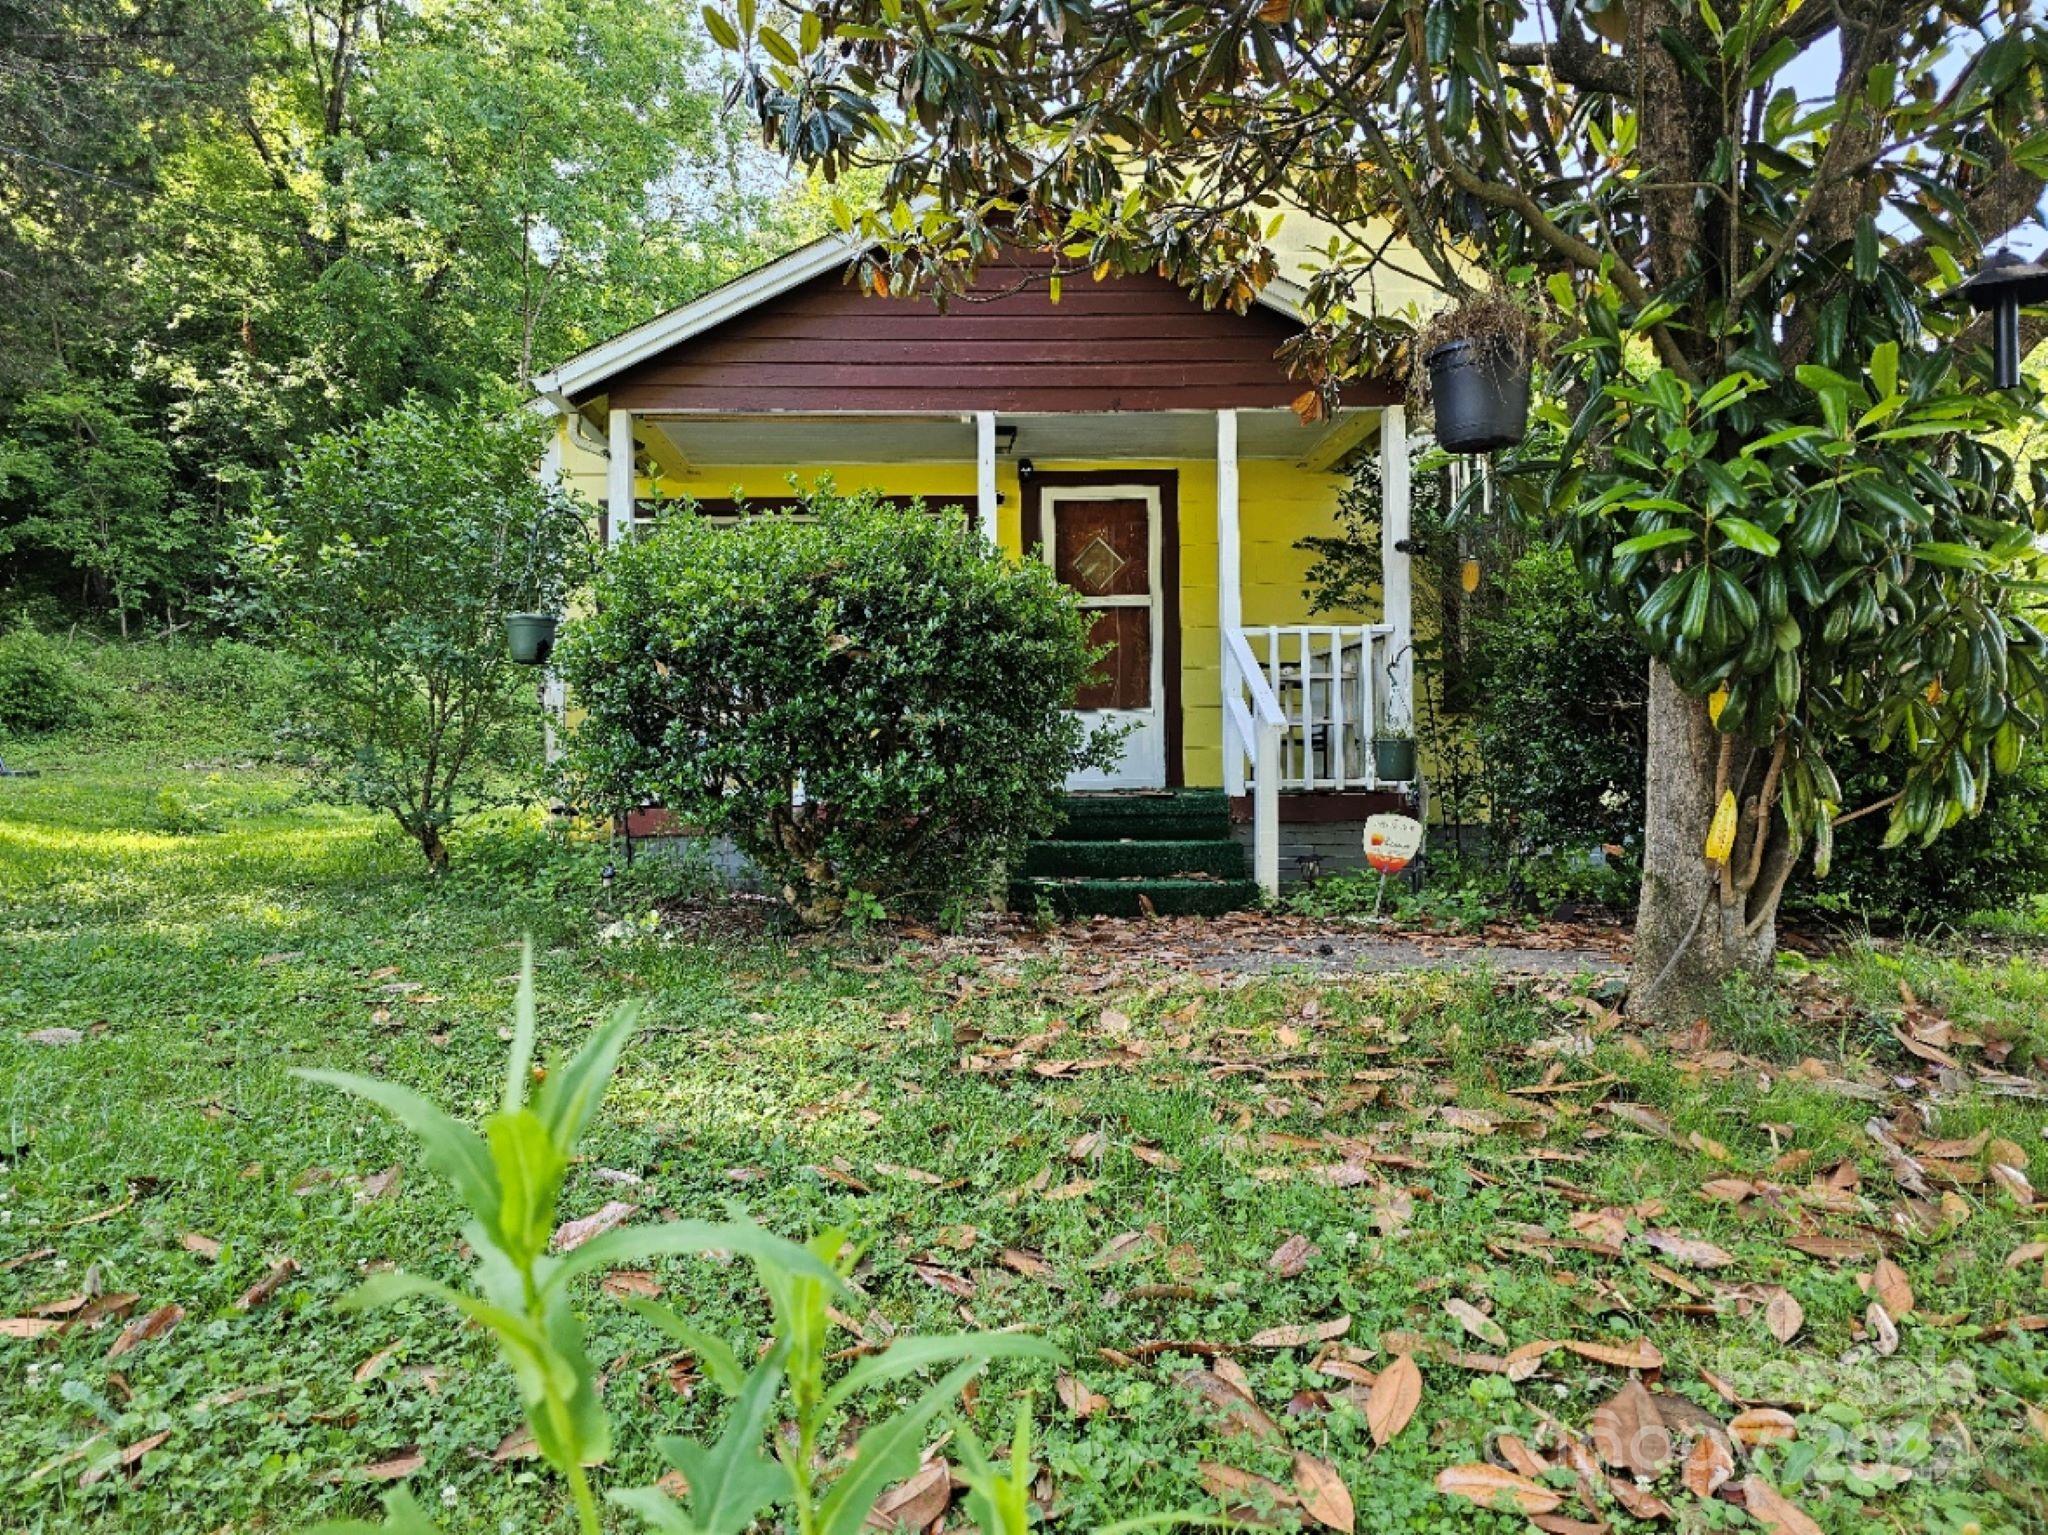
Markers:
{"x": 1393, "y": 1399}
{"x": 1297, "y": 1335}
{"x": 1492, "y": 1487}
{"x": 1784, "y": 1315}
{"x": 1629, "y": 1433}
{"x": 124, "y": 1460}
{"x": 1763, "y": 1425}
{"x": 1229, "y": 1408}
{"x": 1638, "y": 1354}
{"x": 1292, "y": 1256}
{"x": 1708, "y": 1464}
{"x": 517, "y": 1445}
{"x": 1324, "y": 1497}
{"x": 1077, "y": 1398}
{"x": 1225, "y": 1482}
{"x": 1888, "y": 1283}
{"x": 271, "y": 1282}
{"x": 142, "y": 1329}
{"x": 1769, "y": 1508}
{"x": 392, "y": 1468}
{"x": 917, "y": 1502}
{"x": 1692, "y": 1251}
{"x": 609, "y": 1217}
{"x": 1476, "y": 1322}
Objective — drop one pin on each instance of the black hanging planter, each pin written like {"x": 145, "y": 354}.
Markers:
{"x": 1481, "y": 397}
{"x": 531, "y": 636}
{"x": 1393, "y": 759}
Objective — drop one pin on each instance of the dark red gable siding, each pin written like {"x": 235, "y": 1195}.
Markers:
{"x": 1126, "y": 343}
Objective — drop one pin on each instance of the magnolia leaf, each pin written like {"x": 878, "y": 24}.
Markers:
{"x": 1492, "y": 1487}
{"x": 1393, "y": 1399}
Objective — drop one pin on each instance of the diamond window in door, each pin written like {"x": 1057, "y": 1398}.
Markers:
{"x": 1097, "y": 564}
{"x": 1101, "y": 548}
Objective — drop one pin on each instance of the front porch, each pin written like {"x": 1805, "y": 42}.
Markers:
{"x": 1251, "y": 694}
{"x": 1145, "y": 447}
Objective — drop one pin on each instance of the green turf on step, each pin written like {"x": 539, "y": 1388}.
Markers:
{"x": 1122, "y": 897}
{"x": 1218, "y": 856}
{"x": 1179, "y": 815}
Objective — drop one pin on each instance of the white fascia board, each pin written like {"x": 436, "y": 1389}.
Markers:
{"x": 654, "y": 336}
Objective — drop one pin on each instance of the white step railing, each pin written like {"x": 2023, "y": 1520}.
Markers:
{"x": 1328, "y": 683}
{"x": 1253, "y": 725}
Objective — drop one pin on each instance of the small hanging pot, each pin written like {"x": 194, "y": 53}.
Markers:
{"x": 1393, "y": 759}
{"x": 1481, "y": 397}
{"x": 531, "y": 636}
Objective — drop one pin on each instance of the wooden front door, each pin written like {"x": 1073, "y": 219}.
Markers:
{"x": 1104, "y": 541}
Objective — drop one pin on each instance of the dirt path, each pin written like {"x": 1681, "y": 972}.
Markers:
{"x": 1258, "y": 943}
{"x": 1376, "y": 954}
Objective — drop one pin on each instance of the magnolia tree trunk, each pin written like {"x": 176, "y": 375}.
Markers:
{"x": 1697, "y": 927}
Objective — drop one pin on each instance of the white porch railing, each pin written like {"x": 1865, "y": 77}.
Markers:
{"x": 1253, "y": 725}
{"x": 1329, "y": 683}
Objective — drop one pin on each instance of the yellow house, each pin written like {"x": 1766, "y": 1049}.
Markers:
{"x": 1143, "y": 446}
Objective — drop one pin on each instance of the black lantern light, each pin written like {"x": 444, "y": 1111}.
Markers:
{"x": 2007, "y": 282}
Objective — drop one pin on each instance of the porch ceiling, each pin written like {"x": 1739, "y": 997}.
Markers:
{"x": 801, "y": 439}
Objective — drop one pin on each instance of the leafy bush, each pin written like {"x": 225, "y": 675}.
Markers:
{"x": 510, "y": 1180}
{"x": 387, "y": 565}
{"x": 40, "y": 688}
{"x": 873, "y": 705}
{"x": 1987, "y": 862}
{"x": 1558, "y": 710}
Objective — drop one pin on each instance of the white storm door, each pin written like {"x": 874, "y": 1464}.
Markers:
{"x": 1103, "y": 542}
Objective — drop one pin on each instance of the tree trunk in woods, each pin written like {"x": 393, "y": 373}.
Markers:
{"x": 429, "y": 838}
{"x": 1692, "y": 933}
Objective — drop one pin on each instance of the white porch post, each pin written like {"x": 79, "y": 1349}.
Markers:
{"x": 553, "y": 697}
{"x": 1397, "y": 584}
{"x": 1229, "y": 599}
{"x": 1265, "y": 742}
{"x": 985, "y": 471}
{"x": 618, "y": 480}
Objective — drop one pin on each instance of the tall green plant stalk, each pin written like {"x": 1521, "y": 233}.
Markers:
{"x": 509, "y": 1179}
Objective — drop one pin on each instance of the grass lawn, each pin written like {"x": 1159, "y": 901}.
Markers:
{"x": 1152, "y": 1168}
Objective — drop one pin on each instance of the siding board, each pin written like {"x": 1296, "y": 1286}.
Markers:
{"x": 1134, "y": 343}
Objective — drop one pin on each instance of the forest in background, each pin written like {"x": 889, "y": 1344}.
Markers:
{"x": 227, "y": 226}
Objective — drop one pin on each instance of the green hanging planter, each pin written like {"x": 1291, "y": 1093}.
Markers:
{"x": 1393, "y": 759}
{"x": 531, "y": 636}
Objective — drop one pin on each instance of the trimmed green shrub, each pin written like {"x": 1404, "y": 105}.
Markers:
{"x": 40, "y": 688}
{"x": 870, "y": 702}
